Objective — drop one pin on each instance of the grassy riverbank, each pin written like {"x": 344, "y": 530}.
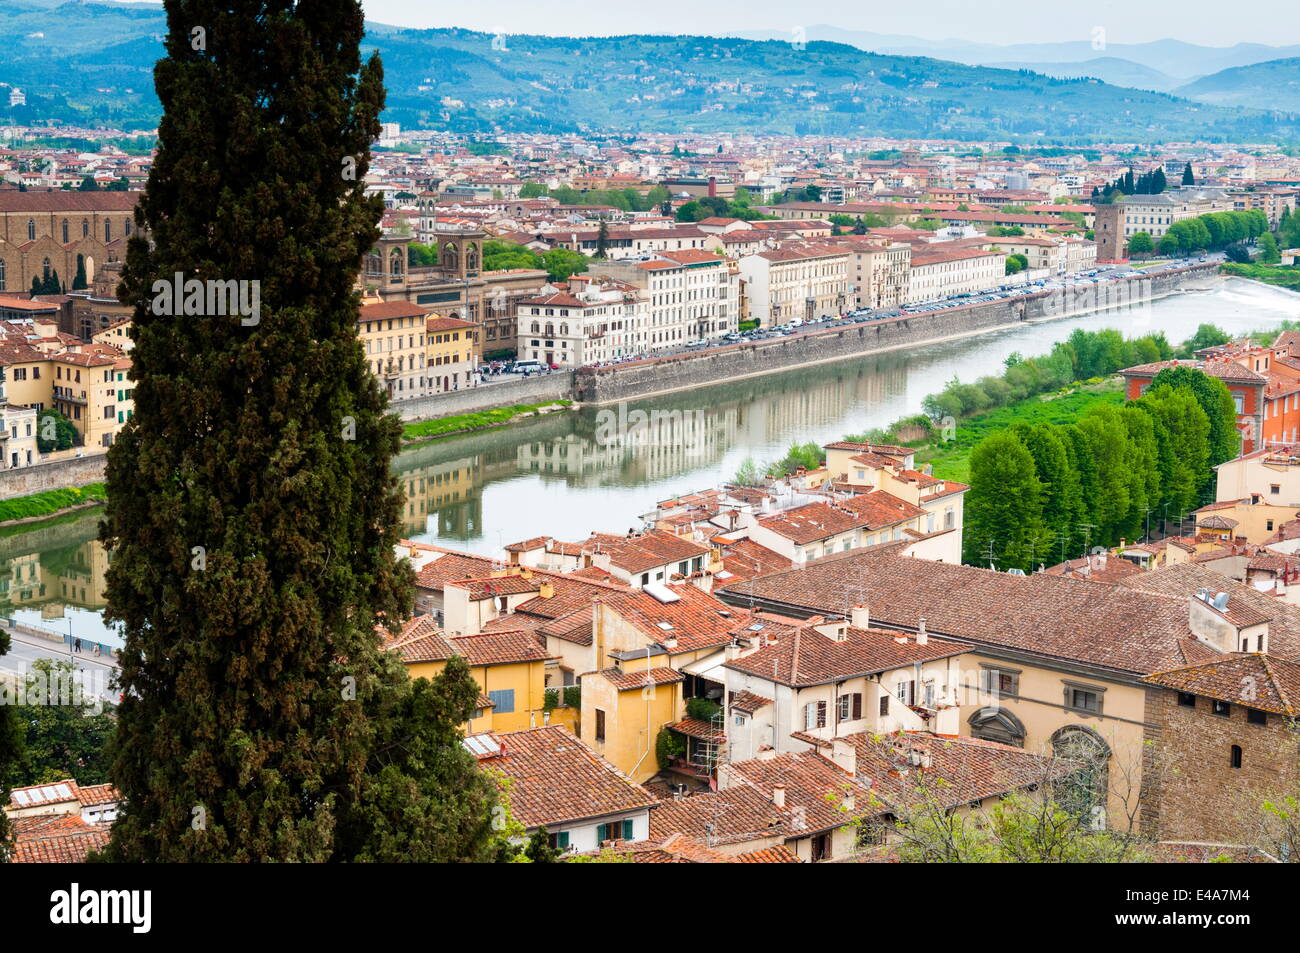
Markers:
{"x": 951, "y": 459}
{"x": 481, "y": 420}
{"x": 1281, "y": 276}
{"x": 49, "y": 502}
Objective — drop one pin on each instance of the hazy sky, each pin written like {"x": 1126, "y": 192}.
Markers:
{"x": 1209, "y": 22}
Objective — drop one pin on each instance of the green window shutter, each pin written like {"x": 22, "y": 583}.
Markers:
{"x": 627, "y": 829}
{"x": 562, "y": 840}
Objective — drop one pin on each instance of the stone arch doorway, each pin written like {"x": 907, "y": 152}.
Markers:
{"x": 1083, "y": 792}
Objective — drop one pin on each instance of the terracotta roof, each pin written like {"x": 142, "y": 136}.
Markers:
{"x": 500, "y": 648}
{"x": 735, "y": 815}
{"x": 1256, "y": 681}
{"x": 419, "y": 641}
{"x": 701, "y": 730}
{"x": 1185, "y": 579}
{"x": 809, "y": 657}
{"x": 60, "y": 200}
{"x": 812, "y": 522}
{"x": 779, "y": 854}
{"x": 391, "y": 309}
{"x": 626, "y": 681}
{"x": 1059, "y": 617}
{"x": 56, "y": 839}
{"x": 695, "y": 621}
{"x": 557, "y": 779}
{"x": 748, "y": 701}
{"x": 451, "y": 567}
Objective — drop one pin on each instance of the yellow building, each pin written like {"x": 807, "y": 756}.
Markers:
{"x": 450, "y": 354}
{"x": 393, "y": 335}
{"x": 623, "y": 712}
{"x": 91, "y": 389}
{"x": 509, "y": 667}
{"x": 28, "y": 375}
{"x": 642, "y": 641}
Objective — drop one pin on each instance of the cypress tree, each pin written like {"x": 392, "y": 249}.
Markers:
{"x": 10, "y": 751}
{"x": 252, "y": 514}
{"x": 1188, "y": 177}
{"x": 79, "y": 279}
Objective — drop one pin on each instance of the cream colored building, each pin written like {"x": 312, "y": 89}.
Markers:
{"x": 592, "y": 318}
{"x": 880, "y": 273}
{"x": 798, "y": 280}
{"x": 939, "y": 272}
{"x": 690, "y": 295}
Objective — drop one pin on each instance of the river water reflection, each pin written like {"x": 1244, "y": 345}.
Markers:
{"x": 565, "y": 475}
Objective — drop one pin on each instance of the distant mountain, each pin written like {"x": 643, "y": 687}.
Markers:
{"x": 1271, "y": 85}
{"x": 94, "y": 61}
{"x": 1108, "y": 69}
{"x": 1172, "y": 57}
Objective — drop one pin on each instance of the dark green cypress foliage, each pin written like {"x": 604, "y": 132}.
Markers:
{"x": 10, "y": 750}
{"x": 251, "y": 510}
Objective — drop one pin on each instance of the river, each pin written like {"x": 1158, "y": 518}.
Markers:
{"x": 565, "y": 475}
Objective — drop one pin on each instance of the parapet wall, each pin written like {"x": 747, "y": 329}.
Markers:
{"x": 679, "y": 371}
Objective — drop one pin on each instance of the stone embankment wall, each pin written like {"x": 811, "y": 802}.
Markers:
{"x": 52, "y": 476}
{"x": 537, "y": 389}
{"x": 680, "y": 371}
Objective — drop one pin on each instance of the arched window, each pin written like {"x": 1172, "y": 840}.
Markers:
{"x": 2, "y": 274}
{"x": 126, "y": 227}
{"x": 564, "y": 330}
{"x": 374, "y": 264}
{"x": 31, "y": 230}
{"x": 471, "y": 256}
{"x": 1236, "y": 756}
{"x": 396, "y": 263}
{"x": 65, "y": 231}
{"x": 108, "y": 232}
{"x": 997, "y": 724}
{"x": 85, "y": 228}
{"x": 1083, "y": 791}
{"x": 450, "y": 257}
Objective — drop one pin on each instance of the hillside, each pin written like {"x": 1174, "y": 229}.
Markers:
{"x": 84, "y": 62}
{"x": 1175, "y": 58}
{"x": 1271, "y": 85}
{"x": 1108, "y": 69}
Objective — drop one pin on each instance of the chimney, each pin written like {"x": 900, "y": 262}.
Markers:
{"x": 669, "y": 641}
{"x": 778, "y": 795}
{"x": 921, "y": 637}
{"x": 861, "y": 617}
{"x": 546, "y": 590}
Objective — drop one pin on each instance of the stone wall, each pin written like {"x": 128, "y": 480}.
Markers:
{"x": 679, "y": 371}
{"x": 52, "y": 476}
{"x": 537, "y": 389}
{"x": 1197, "y": 795}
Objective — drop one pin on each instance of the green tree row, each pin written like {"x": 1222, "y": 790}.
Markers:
{"x": 1082, "y": 356}
{"x": 1045, "y": 493}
